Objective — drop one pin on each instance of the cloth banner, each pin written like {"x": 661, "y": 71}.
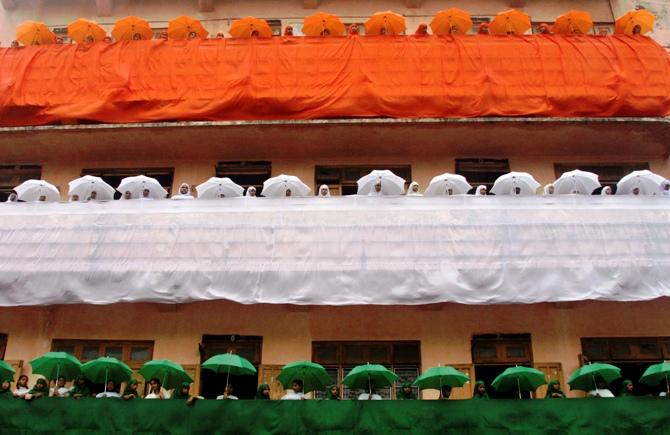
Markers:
{"x": 569, "y": 416}
{"x": 337, "y": 251}
{"x": 308, "y": 78}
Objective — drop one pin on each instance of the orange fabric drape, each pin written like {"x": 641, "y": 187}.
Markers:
{"x": 303, "y": 78}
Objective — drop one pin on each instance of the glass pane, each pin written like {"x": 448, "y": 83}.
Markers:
{"x": 406, "y": 353}
{"x": 515, "y": 351}
{"x": 486, "y": 351}
{"x": 248, "y": 352}
{"x": 114, "y": 352}
{"x": 596, "y": 350}
{"x": 64, "y": 348}
{"x": 649, "y": 349}
{"x": 353, "y": 353}
{"x": 90, "y": 352}
{"x": 379, "y": 353}
{"x": 620, "y": 350}
{"x": 139, "y": 354}
{"x": 324, "y": 353}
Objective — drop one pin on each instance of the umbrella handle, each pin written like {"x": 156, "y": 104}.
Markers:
{"x": 227, "y": 378}
{"x": 667, "y": 386}
{"x": 106, "y": 371}
{"x": 518, "y": 387}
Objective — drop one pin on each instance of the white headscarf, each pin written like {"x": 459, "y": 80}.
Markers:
{"x": 546, "y": 189}
{"x": 249, "y": 190}
{"x": 327, "y": 194}
{"x": 180, "y": 195}
{"x": 665, "y": 188}
{"x": 605, "y": 191}
{"x": 16, "y": 197}
{"x": 411, "y": 192}
{"x": 478, "y": 190}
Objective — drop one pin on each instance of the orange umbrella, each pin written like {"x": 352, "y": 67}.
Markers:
{"x": 385, "y": 23}
{"x": 34, "y": 33}
{"x": 510, "y": 22}
{"x": 626, "y": 24}
{"x": 573, "y": 22}
{"x": 452, "y": 20}
{"x": 250, "y": 26}
{"x": 129, "y": 28}
{"x": 83, "y": 30}
{"x": 182, "y": 28}
{"x": 322, "y": 24}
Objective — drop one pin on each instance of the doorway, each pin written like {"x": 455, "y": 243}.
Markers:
{"x": 212, "y": 384}
{"x": 493, "y": 353}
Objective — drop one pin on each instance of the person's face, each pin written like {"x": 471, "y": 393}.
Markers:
{"x": 636, "y": 191}
{"x": 378, "y": 187}
{"x": 637, "y": 30}
{"x": 183, "y": 190}
{"x": 481, "y": 389}
{"x": 482, "y": 191}
{"x": 43, "y": 198}
{"x": 185, "y": 390}
{"x": 296, "y": 387}
{"x": 81, "y": 381}
{"x": 137, "y": 37}
{"x": 252, "y": 192}
{"x": 75, "y": 197}
{"x": 154, "y": 385}
{"x": 602, "y": 32}
{"x": 407, "y": 390}
{"x": 127, "y": 194}
{"x": 551, "y": 190}
{"x": 629, "y": 387}
{"x": 325, "y": 32}
{"x": 601, "y": 384}
{"x": 133, "y": 387}
{"x": 12, "y": 196}
{"x": 450, "y": 191}
{"x": 110, "y": 385}
{"x": 41, "y": 383}
{"x": 255, "y": 34}
{"x": 229, "y": 389}
{"x": 192, "y": 35}
{"x": 89, "y": 39}
{"x": 289, "y": 31}
{"x": 324, "y": 191}
{"x": 266, "y": 392}
{"x": 556, "y": 387}
{"x": 446, "y": 392}
{"x": 23, "y": 381}
{"x": 415, "y": 188}
{"x": 382, "y": 31}
{"x": 517, "y": 190}
{"x": 61, "y": 382}
{"x": 288, "y": 192}
{"x": 145, "y": 193}
{"x": 94, "y": 194}
{"x": 666, "y": 186}
{"x": 222, "y": 195}
{"x": 334, "y": 391}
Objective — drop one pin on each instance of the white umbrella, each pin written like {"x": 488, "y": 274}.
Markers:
{"x": 391, "y": 183}
{"x": 85, "y": 185}
{"x": 438, "y": 185}
{"x": 648, "y": 183}
{"x": 507, "y": 184}
{"x": 277, "y": 186}
{"x": 31, "y": 190}
{"x": 576, "y": 181}
{"x": 215, "y": 186}
{"x": 136, "y": 186}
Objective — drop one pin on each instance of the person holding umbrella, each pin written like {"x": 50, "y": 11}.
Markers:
{"x": 263, "y": 392}
{"x": 60, "y": 390}
{"x": 227, "y": 393}
{"x": 110, "y": 391}
{"x": 601, "y": 389}
{"x": 39, "y": 390}
{"x": 406, "y": 392}
{"x": 445, "y": 392}
{"x": 295, "y": 393}
{"x": 155, "y": 390}
{"x": 130, "y": 392}
{"x": 480, "y": 391}
{"x": 554, "y": 390}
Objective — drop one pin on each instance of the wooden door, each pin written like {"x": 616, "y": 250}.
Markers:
{"x": 465, "y": 392}
{"x": 552, "y": 371}
{"x": 267, "y": 374}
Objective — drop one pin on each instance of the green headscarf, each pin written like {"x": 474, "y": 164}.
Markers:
{"x": 179, "y": 392}
{"x": 624, "y": 391}
{"x": 6, "y": 393}
{"x": 551, "y": 390}
{"x": 402, "y": 395}
{"x": 40, "y": 387}
{"x": 329, "y": 395}
{"x": 259, "y": 392}
{"x": 476, "y": 394}
{"x": 83, "y": 389}
{"x": 128, "y": 390}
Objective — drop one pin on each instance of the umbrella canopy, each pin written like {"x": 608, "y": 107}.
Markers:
{"x": 313, "y": 376}
{"x": 584, "y": 378}
{"x": 645, "y": 180}
{"x": 171, "y": 374}
{"x": 365, "y": 376}
{"x": 451, "y": 21}
{"x": 322, "y": 24}
{"x": 85, "y": 185}
{"x": 520, "y": 379}
{"x": 441, "y": 184}
{"x": 6, "y": 372}
{"x": 229, "y": 363}
{"x": 576, "y": 181}
{"x": 657, "y": 374}
{"x": 510, "y": 22}
{"x": 625, "y": 25}
{"x": 83, "y": 30}
{"x": 182, "y": 28}
{"x": 215, "y": 187}
{"x": 105, "y": 369}
{"x": 131, "y": 28}
{"x": 137, "y": 184}
{"x": 34, "y": 33}
{"x": 386, "y": 22}
{"x": 248, "y": 27}
{"x": 53, "y": 365}
{"x": 31, "y": 190}
{"x": 277, "y": 186}
{"x": 391, "y": 183}
{"x": 508, "y": 183}
{"x": 573, "y": 22}
{"x": 437, "y": 377}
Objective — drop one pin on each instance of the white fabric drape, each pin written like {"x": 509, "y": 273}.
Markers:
{"x": 339, "y": 251}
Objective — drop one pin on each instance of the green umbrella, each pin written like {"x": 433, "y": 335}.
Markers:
{"x": 657, "y": 373}
{"x": 53, "y": 365}
{"x": 584, "y": 378}
{"x": 104, "y": 369}
{"x": 313, "y": 376}
{"x": 171, "y": 373}
{"x": 6, "y": 371}
{"x": 437, "y": 377}
{"x": 364, "y": 376}
{"x": 230, "y": 364}
{"x": 520, "y": 378}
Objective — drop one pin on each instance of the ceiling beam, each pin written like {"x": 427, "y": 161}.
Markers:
{"x": 206, "y": 5}
{"x": 104, "y": 7}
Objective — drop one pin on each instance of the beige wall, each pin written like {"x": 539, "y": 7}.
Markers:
{"x": 445, "y": 330}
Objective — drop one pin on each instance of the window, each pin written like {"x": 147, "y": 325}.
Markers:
{"x": 341, "y": 180}
{"x": 482, "y": 171}
{"x": 3, "y": 345}
{"x": 113, "y": 177}
{"x": 361, "y": 28}
{"x": 493, "y": 353}
{"x": 246, "y": 173}
{"x": 158, "y": 29}
{"x": 609, "y": 174}
{"x": 603, "y": 27}
{"x": 275, "y": 25}
{"x": 476, "y": 22}
{"x": 61, "y": 32}
{"x": 403, "y": 358}
{"x": 133, "y": 353}
{"x": 13, "y": 175}
{"x": 213, "y": 384}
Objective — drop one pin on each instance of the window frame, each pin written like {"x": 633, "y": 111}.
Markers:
{"x": 503, "y": 168}
{"x": 17, "y": 174}
{"x": 336, "y": 185}
{"x": 126, "y": 348}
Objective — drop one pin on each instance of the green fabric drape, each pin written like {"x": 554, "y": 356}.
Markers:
{"x": 636, "y": 415}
